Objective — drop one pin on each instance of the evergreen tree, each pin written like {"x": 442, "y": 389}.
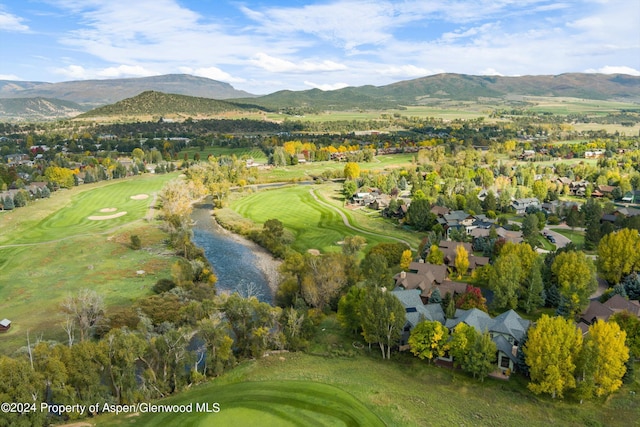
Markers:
{"x": 8, "y": 203}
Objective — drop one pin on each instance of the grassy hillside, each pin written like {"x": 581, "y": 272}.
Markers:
{"x": 38, "y": 109}
{"x": 458, "y": 87}
{"x": 107, "y": 91}
{"x": 160, "y": 104}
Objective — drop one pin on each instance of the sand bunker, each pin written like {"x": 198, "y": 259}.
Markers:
{"x": 140, "y": 197}
{"x": 314, "y": 252}
{"x": 103, "y": 217}
{"x": 108, "y": 210}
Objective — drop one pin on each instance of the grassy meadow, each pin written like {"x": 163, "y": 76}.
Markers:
{"x": 51, "y": 248}
{"x": 403, "y": 392}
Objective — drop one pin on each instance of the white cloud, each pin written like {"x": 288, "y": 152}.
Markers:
{"x": 214, "y": 73}
{"x": 608, "y": 69}
{"x": 76, "y": 72}
{"x": 125, "y": 71}
{"x": 9, "y": 77}
{"x": 13, "y": 23}
{"x": 326, "y": 86}
{"x": 490, "y": 72}
{"x": 277, "y": 65}
{"x": 404, "y": 71}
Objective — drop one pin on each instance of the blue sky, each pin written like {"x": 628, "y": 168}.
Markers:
{"x": 269, "y": 45}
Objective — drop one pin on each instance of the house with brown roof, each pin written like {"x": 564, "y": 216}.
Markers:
{"x": 603, "y": 311}
{"x": 423, "y": 276}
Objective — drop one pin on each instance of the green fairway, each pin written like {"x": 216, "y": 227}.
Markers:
{"x": 314, "y": 224}
{"x": 51, "y": 249}
{"x": 265, "y": 403}
{"x": 86, "y": 211}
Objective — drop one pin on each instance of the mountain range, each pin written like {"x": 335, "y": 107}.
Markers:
{"x": 33, "y": 100}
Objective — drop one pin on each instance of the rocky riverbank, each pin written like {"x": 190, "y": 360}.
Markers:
{"x": 264, "y": 260}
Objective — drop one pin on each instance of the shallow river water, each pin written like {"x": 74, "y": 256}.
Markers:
{"x": 234, "y": 264}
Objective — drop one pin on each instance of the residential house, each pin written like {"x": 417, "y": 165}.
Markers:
{"x": 450, "y": 248}
{"x": 631, "y": 197}
{"x": 380, "y": 202}
{"x": 603, "y": 191}
{"x": 594, "y": 154}
{"x": 459, "y": 220}
{"x": 423, "y": 276}
{"x": 521, "y": 205}
{"x": 17, "y": 159}
{"x": 416, "y": 311}
{"x": 602, "y": 311}
{"x": 507, "y": 331}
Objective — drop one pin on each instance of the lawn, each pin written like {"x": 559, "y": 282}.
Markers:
{"x": 577, "y": 237}
{"x": 314, "y": 224}
{"x": 50, "y": 249}
{"x": 405, "y": 391}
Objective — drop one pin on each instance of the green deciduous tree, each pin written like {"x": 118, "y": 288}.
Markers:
{"x": 349, "y": 308}
{"x": 351, "y": 170}
{"x": 435, "y": 256}
{"x": 480, "y": 359}
{"x": 576, "y": 278}
{"x": 462, "y": 260}
{"x": 428, "y": 340}
{"x": 462, "y": 339}
{"x": 603, "y": 358}
{"x": 382, "y": 318}
{"x": 406, "y": 259}
{"x": 619, "y": 254}
{"x": 504, "y": 279}
{"x": 630, "y": 324}
{"x": 551, "y": 352}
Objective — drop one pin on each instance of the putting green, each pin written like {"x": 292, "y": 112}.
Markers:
{"x": 263, "y": 403}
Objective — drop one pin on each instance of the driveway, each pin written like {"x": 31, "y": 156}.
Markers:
{"x": 561, "y": 241}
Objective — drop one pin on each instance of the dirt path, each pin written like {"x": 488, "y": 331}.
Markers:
{"x": 345, "y": 220}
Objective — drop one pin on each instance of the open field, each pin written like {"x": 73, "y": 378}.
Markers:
{"x": 314, "y": 224}
{"x": 307, "y": 171}
{"x": 403, "y": 392}
{"x": 50, "y": 249}
{"x": 255, "y": 153}
{"x": 565, "y": 105}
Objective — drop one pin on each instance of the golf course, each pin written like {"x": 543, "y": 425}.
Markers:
{"x": 79, "y": 238}
{"x": 311, "y": 218}
{"x": 264, "y": 403}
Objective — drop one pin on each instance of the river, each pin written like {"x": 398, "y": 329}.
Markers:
{"x": 240, "y": 265}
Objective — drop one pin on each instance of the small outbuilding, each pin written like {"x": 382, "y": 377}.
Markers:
{"x": 5, "y": 324}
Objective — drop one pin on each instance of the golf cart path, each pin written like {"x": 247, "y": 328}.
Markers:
{"x": 345, "y": 220}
